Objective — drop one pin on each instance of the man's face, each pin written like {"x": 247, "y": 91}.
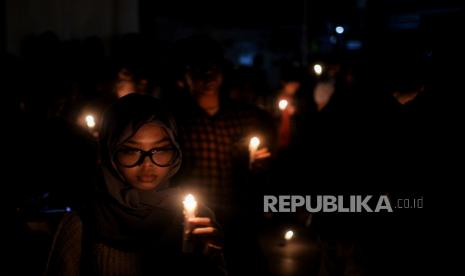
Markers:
{"x": 204, "y": 80}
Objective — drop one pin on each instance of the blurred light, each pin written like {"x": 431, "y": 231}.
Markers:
{"x": 254, "y": 143}
{"x": 283, "y": 104}
{"x": 289, "y": 235}
{"x": 333, "y": 39}
{"x": 339, "y": 29}
{"x": 246, "y": 59}
{"x": 90, "y": 121}
{"x": 318, "y": 69}
{"x": 54, "y": 211}
{"x": 354, "y": 45}
{"x": 190, "y": 203}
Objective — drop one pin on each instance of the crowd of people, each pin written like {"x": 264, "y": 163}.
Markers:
{"x": 181, "y": 121}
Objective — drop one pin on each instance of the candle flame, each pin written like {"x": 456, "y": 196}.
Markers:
{"x": 289, "y": 234}
{"x": 190, "y": 203}
{"x": 254, "y": 143}
{"x": 90, "y": 121}
{"x": 283, "y": 104}
{"x": 318, "y": 69}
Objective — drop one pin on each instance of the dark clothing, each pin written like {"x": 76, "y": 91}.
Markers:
{"x": 76, "y": 252}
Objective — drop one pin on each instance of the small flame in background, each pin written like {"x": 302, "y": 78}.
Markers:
{"x": 254, "y": 143}
{"x": 90, "y": 121}
{"x": 283, "y": 104}
{"x": 289, "y": 235}
{"x": 318, "y": 69}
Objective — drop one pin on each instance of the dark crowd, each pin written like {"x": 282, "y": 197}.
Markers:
{"x": 105, "y": 141}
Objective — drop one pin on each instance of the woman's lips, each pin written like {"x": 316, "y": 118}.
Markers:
{"x": 146, "y": 178}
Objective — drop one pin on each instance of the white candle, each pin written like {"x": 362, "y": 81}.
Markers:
{"x": 283, "y": 104}
{"x": 190, "y": 208}
{"x": 253, "y": 146}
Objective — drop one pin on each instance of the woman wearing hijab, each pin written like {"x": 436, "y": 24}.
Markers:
{"x": 134, "y": 224}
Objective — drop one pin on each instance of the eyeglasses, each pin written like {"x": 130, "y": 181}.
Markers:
{"x": 130, "y": 157}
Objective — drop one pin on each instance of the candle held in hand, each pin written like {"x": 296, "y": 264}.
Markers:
{"x": 190, "y": 208}
{"x": 253, "y": 146}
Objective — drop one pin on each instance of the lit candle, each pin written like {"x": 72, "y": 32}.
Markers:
{"x": 190, "y": 207}
{"x": 289, "y": 235}
{"x": 253, "y": 146}
{"x": 283, "y": 104}
{"x": 318, "y": 69}
{"x": 90, "y": 121}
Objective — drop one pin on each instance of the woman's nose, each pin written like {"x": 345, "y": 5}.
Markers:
{"x": 147, "y": 162}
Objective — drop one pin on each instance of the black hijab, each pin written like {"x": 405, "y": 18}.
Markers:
{"x": 121, "y": 215}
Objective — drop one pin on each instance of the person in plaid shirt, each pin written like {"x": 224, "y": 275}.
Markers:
{"x": 214, "y": 135}
{"x": 214, "y": 132}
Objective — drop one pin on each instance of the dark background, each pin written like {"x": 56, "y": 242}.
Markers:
{"x": 54, "y": 50}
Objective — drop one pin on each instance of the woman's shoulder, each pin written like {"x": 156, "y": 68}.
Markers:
{"x": 65, "y": 251}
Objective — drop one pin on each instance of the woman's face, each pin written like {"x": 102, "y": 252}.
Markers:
{"x": 153, "y": 140}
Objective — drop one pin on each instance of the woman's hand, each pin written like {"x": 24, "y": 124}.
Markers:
{"x": 261, "y": 154}
{"x": 206, "y": 234}
{"x": 260, "y": 160}
{"x": 202, "y": 226}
